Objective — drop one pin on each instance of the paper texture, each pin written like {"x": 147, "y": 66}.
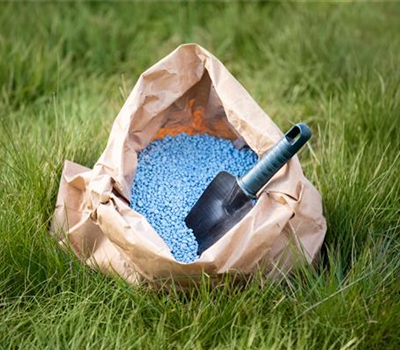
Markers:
{"x": 190, "y": 91}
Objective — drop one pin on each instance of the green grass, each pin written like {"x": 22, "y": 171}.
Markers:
{"x": 65, "y": 70}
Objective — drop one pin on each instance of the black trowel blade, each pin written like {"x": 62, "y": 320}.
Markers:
{"x": 221, "y": 206}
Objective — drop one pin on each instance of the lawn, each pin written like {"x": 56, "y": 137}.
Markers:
{"x": 65, "y": 70}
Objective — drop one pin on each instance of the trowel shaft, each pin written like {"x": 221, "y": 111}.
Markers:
{"x": 274, "y": 159}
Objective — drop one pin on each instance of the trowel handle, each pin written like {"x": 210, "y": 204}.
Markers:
{"x": 274, "y": 159}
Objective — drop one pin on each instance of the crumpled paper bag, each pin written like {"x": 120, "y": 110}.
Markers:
{"x": 187, "y": 91}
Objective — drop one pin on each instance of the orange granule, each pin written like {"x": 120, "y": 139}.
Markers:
{"x": 199, "y": 126}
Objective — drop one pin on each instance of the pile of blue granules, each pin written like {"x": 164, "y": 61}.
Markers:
{"x": 172, "y": 174}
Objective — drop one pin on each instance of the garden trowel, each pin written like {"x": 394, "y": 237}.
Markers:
{"x": 228, "y": 199}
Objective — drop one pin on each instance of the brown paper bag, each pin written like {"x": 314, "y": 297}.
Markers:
{"x": 190, "y": 91}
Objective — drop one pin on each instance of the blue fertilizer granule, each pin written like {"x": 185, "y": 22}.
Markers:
{"x": 171, "y": 175}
